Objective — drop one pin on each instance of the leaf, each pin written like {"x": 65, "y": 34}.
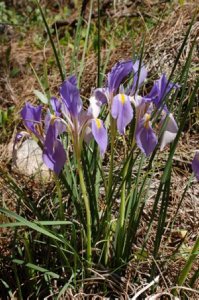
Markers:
{"x": 41, "y": 97}
{"x": 36, "y": 268}
{"x": 30, "y": 224}
{"x": 44, "y": 223}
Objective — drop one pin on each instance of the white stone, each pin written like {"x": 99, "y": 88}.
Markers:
{"x": 28, "y": 160}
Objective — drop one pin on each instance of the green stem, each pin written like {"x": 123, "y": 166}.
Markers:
{"x": 59, "y": 194}
{"x": 189, "y": 263}
{"x": 109, "y": 190}
{"x": 110, "y": 177}
{"x": 123, "y": 197}
{"x": 88, "y": 212}
{"x": 120, "y": 226}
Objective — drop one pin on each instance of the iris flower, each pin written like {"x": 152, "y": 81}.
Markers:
{"x": 195, "y": 165}
{"x": 119, "y": 103}
{"x": 161, "y": 88}
{"x": 78, "y": 120}
{"x": 31, "y": 116}
{"x": 54, "y": 155}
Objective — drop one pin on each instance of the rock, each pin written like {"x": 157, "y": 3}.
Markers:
{"x": 28, "y": 160}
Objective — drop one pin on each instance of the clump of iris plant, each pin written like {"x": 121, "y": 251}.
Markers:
{"x": 112, "y": 110}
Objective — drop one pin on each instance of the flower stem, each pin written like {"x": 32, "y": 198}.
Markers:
{"x": 107, "y": 214}
{"x": 88, "y": 212}
{"x": 120, "y": 225}
{"x": 59, "y": 194}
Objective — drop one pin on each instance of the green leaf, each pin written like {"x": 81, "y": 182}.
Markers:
{"x": 46, "y": 223}
{"x": 30, "y": 224}
{"x": 36, "y": 268}
{"x": 41, "y": 97}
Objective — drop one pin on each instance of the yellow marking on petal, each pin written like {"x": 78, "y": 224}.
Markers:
{"x": 98, "y": 123}
{"x": 122, "y": 98}
{"x": 147, "y": 119}
{"x": 52, "y": 119}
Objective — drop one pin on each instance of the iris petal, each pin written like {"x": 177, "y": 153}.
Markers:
{"x": 138, "y": 77}
{"x": 56, "y": 106}
{"x": 101, "y": 95}
{"x": 161, "y": 88}
{"x": 145, "y": 137}
{"x": 54, "y": 155}
{"x": 119, "y": 71}
{"x": 31, "y": 116}
{"x": 100, "y": 135}
{"x": 170, "y": 131}
{"x": 122, "y": 111}
{"x": 71, "y": 97}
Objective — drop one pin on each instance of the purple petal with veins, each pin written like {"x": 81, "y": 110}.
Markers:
{"x": 100, "y": 135}
{"x": 70, "y": 97}
{"x": 145, "y": 136}
{"x": 138, "y": 77}
{"x": 122, "y": 111}
{"x": 54, "y": 155}
{"x": 101, "y": 95}
{"x": 73, "y": 80}
{"x": 31, "y": 116}
{"x": 118, "y": 73}
{"x": 56, "y": 106}
{"x": 160, "y": 90}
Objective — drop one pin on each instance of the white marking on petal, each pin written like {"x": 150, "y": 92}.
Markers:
{"x": 94, "y": 107}
{"x": 169, "y": 132}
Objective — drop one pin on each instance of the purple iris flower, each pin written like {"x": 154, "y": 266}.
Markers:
{"x": 119, "y": 71}
{"x": 195, "y": 165}
{"x": 31, "y": 116}
{"x": 56, "y": 106}
{"x": 53, "y": 152}
{"x": 120, "y": 104}
{"x": 82, "y": 123}
{"x": 101, "y": 94}
{"x": 145, "y": 136}
{"x": 122, "y": 111}
{"x": 54, "y": 155}
{"x": 139, "y": 77}
{"x": 70, "y": 96}
{"x": 160, "y": 90}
